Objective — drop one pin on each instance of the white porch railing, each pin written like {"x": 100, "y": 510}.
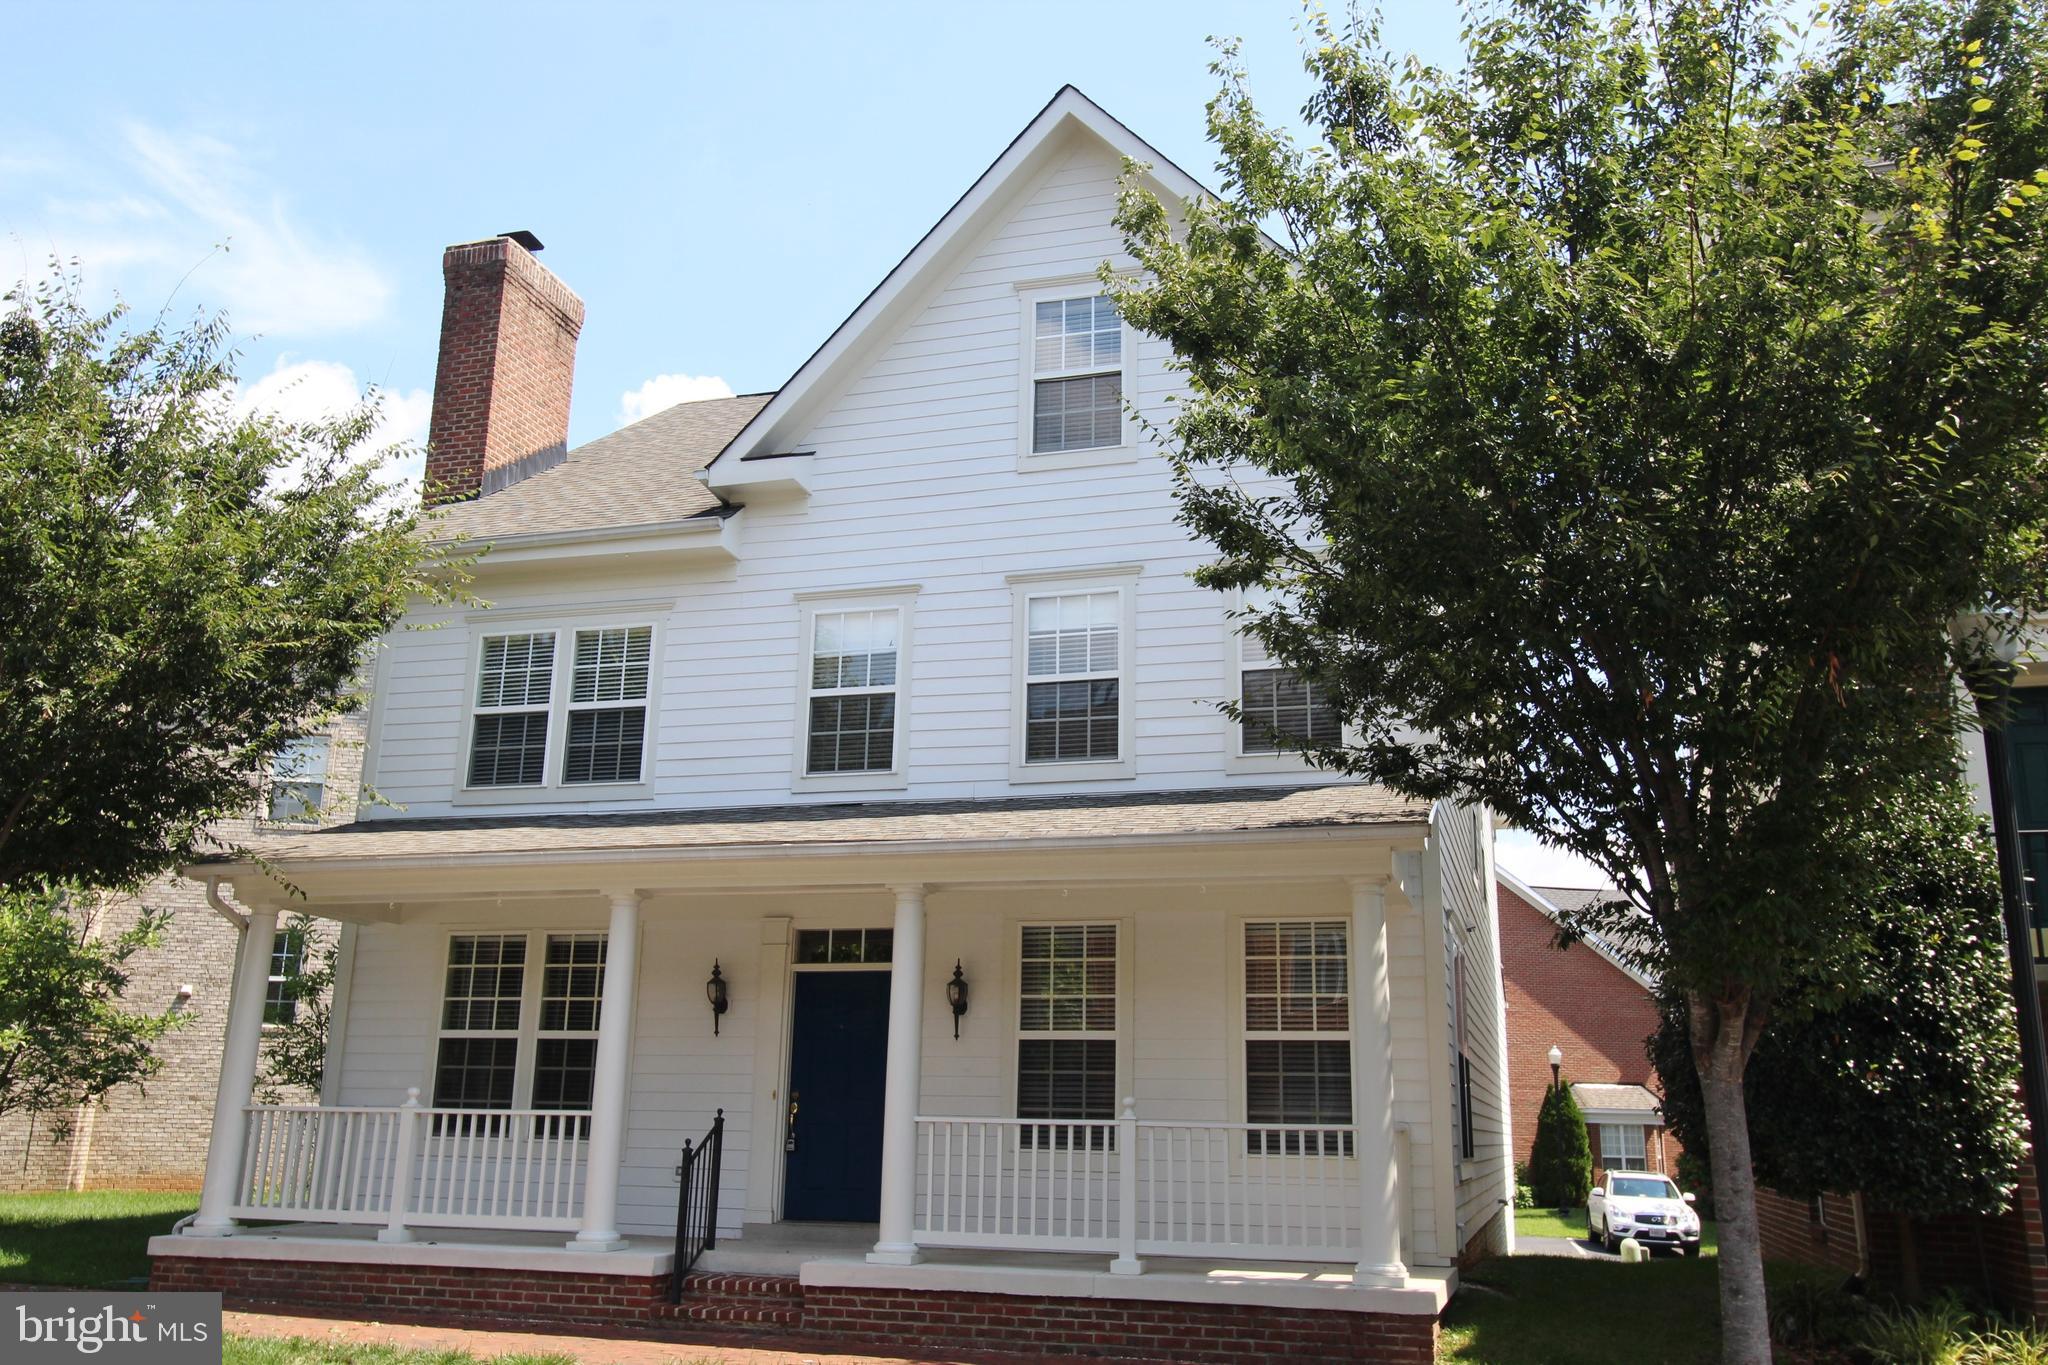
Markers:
{"x": 413, "y": 1166}
{"x": 1133, "y": 1187}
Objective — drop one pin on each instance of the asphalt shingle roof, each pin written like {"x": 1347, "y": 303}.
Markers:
{"x": 640, "y": 475}
{"x": 1092, "y": 815}
{"x": 1626, "y": 1097}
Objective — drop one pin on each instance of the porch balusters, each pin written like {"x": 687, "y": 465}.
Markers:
{"x": 1379, "y": 1261}
{"x": 600, "y": 1225}
{"x": 237, "y": 1075}
{"x": 896, "y": 1244}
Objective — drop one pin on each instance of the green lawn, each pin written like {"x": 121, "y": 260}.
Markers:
{"x": 99, "y": 1237}
{"x": 1556, "y": 1310}
{"x": 1550, "y": 1223}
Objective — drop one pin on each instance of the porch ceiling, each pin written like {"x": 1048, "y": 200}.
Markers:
{"x": 1210, "y": 834}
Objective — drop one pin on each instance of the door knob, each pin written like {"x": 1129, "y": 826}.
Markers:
{"x": 789, "y": 1134}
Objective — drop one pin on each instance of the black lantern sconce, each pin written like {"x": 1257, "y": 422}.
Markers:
{"x": 715, "y": 992}
{"x": 956, "y": 995}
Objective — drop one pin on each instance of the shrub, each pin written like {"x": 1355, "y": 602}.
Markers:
{"x": 1561, "y": 1164}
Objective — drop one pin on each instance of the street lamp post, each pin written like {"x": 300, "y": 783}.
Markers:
{"x": 1556, "y": 1061}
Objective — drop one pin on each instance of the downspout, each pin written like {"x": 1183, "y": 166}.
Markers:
{"x": 223, "y": 909}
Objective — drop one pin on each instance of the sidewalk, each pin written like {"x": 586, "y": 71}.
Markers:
{"x": 594, "y": 1350}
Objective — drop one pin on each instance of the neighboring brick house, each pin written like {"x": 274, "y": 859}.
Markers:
{"x": 2001, "y": 1258}
{"x": 153, "y": 1137}
{"x": 1597, "y": 1011}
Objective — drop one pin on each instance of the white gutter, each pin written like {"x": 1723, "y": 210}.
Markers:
{"x": 222, "y": 908}
{"x": 539, "y": 540}
{"x": 1379, "y": 830}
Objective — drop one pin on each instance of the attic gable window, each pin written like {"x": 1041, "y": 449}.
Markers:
{"x": 1077, "y": 374}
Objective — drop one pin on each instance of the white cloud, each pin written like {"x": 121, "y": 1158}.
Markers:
{"x": 1538, "y": 864}
{"x": 318, "y": 390}
{"x": 667, "y": 390}
{"x": 168, "y": 212}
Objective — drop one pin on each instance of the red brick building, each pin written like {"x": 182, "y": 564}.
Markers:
{"x": 1597, "y": 1011}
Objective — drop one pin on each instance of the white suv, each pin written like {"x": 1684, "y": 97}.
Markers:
{"x": 1646, "y": 1207}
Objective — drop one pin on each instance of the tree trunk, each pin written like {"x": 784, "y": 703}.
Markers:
{"x": 1721, "y": 1052}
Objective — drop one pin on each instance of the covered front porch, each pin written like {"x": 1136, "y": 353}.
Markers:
{"x": 742, "y": 1002}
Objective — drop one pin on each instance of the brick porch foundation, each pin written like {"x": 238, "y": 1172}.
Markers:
{"x": 1209, "y": 1334}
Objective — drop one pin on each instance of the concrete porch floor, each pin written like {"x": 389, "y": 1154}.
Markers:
{"x": 833, "y": 1255}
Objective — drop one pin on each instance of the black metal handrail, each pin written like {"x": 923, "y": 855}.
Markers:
{"x": 697, "y": 1203}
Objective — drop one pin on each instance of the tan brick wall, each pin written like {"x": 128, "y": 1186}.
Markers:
{"x": 153, "y": 1137}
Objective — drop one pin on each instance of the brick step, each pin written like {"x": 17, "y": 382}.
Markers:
{"x": 738, "y": 1301}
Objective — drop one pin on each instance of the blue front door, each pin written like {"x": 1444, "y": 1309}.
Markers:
{"x": 838, "y": 1059}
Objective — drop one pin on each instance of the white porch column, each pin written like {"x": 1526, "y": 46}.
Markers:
{"x": 600, "y": 1230}
{"x": 1379, "y": 1261}
{"x": 237, "y": 1074}
{"x": 899, "y": 1103}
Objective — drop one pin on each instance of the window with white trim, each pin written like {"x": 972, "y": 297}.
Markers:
{"x": 1275, "y": 704}
{"x": 607, "y": 725}
{"x": 1066, "y": 1027}
{"x": 476, "y": 1063}
{"x": 287, "y": 960}
{"x": 1297, "y": 1035}
{"x": 1073, "y": 677}
{"x": 571, "y": 1006}
{"x": 298, "y": 780}
{"x": 514, "y": 688}
{"x": 1622, "y": 1147}
{"x": 853, "y": 691}
{"x": 1077, "y": 374}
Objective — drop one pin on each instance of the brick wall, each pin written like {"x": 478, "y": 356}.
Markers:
{"x": 1795, "y": 1230}
{"x": 153, "y": 1137}
{"x": 1202, "y": 1334}
{"x": 1597, "y": 1014}
{"x": 506, "y": 369}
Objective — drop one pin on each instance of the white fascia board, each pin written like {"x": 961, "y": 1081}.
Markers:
{"x": 781, "y": 420}
{"x": 785, "y": 477}
{"x": 1542, "y": 903}
{"x": 702, "y": 535}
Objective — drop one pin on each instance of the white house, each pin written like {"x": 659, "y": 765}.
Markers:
{"x": 882, "y": 709}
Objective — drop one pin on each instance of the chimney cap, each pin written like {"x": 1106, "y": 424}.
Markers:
{"x": 524, "y": 238}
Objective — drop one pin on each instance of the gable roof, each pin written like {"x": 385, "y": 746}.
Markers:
{"x": 640, "y": 475}
{"x": 1616, "y": 1099}
{"x": 782, "y": 419}
{"x": 1555, "y": 902}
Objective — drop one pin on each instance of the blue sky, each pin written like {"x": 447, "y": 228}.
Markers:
{"x": 721, "y": 183}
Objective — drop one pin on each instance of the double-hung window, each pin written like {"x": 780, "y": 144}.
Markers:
{"x": 850, "y": 715}
{"x": 476, "y": 1065}
{"x": 1073, "y": 677}
{"x": 298, "y": 780}
{"x": 1297, "y": 1035}
{"x": 1461, "y": 1073}
{"x": 1622, "y": 1147}
{"x": 1066, "y": 1029}
{"x": 564, "y": 711}
{"x": 1278, "y": 710}
{"x": 514, "y": 691}
{"x": 1077, "y": 374}
{"x": 511, "y": 1038}
{"x": 608, "y": 705}
{"x": 287, "y": 960}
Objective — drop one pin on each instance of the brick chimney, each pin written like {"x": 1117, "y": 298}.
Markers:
{"x": 508, "y": 362}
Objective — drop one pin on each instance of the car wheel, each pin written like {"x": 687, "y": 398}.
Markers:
{"x": 1608, "y": 1239}
{"x": 1692, "y": 1252}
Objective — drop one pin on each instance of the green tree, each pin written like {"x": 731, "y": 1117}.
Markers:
{"x": 65, "y": 1037}
{"x": 184, "y": 588}
{"x": 1622, "y": 420}
{"x": 295, "y": 1046}
{"x": 1561, "y": 1161}
{"x": 1901, "y": 1076}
